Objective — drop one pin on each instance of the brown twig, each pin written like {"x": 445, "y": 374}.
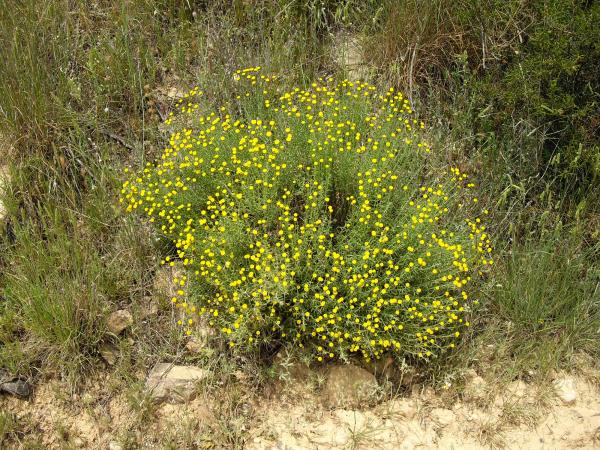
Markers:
{"x": 119, "y": 139}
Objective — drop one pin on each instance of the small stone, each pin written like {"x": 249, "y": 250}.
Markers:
{"x": 565, "y": 390}
{"x": 118, "y": 321}
{"x": 443, "y": 417}
{"x": 78, "y": 442}
{"x": 349, "y": 386}
{"x": 174, "y": 383}
{"x": 112, "y": 445}
{"x": 109, "y": 353}
{"x": 18, "y": 388}
{"x": 4, "y": 181}
{"x": 194, "y": 345}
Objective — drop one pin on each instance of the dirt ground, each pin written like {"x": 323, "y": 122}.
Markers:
{"x": 518, "y": 418}
{"x": 291, "y": 415}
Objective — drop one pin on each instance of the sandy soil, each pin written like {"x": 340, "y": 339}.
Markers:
{"x": 424, "y": 420}
{"x": 291, "y": 416}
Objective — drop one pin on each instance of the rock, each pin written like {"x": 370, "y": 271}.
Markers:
{"x": 112, "y": 445}
{"x": 349, "y": 386}
{"x": 565, "y": 390}
{"x": 475, "y": 386}
{"x": 4, "y": 181}
{"x": 14, "y": 386}
{"x": 174, "y": 383}
{"x": 78, "y": 442}
{"x": 109, "y": 353}
{"x": 18, "y": 388}
{"x": 443, "y": 417}
{"x": 194, "y": 345}
{"x": 119, "y": 320}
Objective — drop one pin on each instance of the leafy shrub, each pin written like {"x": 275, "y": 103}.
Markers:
{"x": 524, "y": 74}
{"x": 310, "y": 217}
{"x": 550, "y": 80}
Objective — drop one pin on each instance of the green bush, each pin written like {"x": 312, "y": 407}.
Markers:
{"x": 521, "y": 77}
{"x": 550, "y": 80}
{"x": 311, "y": 217}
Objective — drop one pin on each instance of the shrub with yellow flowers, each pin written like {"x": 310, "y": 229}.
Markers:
{"x": 309, "y": 217}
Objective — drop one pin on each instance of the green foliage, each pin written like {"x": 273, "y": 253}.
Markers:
{"x": 63, "y": 253}
{"x": 308, "y": 217}
{"x": 552, "y": 81}
{"x": 66, "y": 271}
{"x": 8, "y": 426}
{"x": 549, "y": 293}
{"x": 527, "y": 72}
{"x": 543, "y": 307}
{"x": 86, "y": 72}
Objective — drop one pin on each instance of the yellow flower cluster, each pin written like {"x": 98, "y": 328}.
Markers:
{"x": 307, "y": 216}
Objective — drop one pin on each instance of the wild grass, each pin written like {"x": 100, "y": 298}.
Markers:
{"x": 548, "y": 298}
{"x": 63, "y": 278}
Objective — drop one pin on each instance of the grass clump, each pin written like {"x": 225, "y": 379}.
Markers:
{"x": 547, "y": 299}
{"x": 312, "y": 217}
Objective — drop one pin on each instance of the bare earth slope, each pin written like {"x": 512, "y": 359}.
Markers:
{"x": 291, "y": 415}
